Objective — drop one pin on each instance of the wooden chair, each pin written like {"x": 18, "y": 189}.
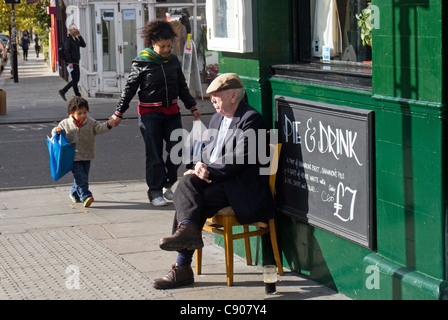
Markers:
{"x": 223, "y": 222}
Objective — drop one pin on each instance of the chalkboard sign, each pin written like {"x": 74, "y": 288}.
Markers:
{"x": 325, "y": 170}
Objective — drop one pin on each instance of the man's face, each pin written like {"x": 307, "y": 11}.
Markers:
{"x": 222, "y": 102}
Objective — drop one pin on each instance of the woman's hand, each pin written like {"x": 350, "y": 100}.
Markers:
{"x": 114, "y": 121}
{"x": 196, "y": 115}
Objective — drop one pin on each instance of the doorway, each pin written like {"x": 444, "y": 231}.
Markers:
{"x": 118, "y": 42}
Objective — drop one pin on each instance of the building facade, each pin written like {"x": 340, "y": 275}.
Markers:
{"x": 362, "y": 184}
{"x": 111, "y": 32}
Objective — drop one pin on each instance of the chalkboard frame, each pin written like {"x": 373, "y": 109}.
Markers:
{"x": 367, "y": 237}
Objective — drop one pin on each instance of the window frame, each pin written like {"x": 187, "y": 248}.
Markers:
{"x": 242, "y": 42}
{"x": 301, "y": 31}
{"x": 306, "y": 68}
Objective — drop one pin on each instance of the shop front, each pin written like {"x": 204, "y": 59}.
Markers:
{"x": 111, "y": 31}
{"x": 361, "y": 187}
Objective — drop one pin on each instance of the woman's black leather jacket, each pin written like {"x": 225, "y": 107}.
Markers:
{"x": 160, "y": 85}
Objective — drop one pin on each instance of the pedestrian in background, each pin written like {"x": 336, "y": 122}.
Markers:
{"x": 25, "y": 43}
{"x": 158, "y": 75}
{"x": 72, "y": 53}
{"x": 36, "y": 45}
{"x": 81, "y": 130}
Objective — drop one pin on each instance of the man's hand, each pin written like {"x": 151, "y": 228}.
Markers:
{"x": 189, "y": 171}
{"x": 200, "y": 170}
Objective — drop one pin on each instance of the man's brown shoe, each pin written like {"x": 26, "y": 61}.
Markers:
{"x": 177, "y": 276}
{"x": 186, "y": 236}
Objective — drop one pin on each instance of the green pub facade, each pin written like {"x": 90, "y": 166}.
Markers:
{"x": 361, "y": 187}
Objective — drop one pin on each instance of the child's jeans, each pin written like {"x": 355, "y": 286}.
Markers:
{"x": 80, "y": 189}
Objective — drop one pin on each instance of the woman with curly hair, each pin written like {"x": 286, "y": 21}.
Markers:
{"x": 158, "y": 76}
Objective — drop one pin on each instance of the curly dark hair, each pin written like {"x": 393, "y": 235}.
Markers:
{"x": 77, "y": 103}
{"x": 157, "y": 30}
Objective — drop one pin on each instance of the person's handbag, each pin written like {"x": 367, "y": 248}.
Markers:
{"x": 62, "y": 155}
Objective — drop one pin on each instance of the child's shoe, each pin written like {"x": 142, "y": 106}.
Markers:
{"x": 88, "y": 202}
{"x": 75, "y": 199}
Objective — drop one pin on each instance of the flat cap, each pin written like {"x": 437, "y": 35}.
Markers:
{"x": 224, "y": 82}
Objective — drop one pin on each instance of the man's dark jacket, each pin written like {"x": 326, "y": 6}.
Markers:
{"x": 72, "y": 47}
{"x": 247, "y": 190}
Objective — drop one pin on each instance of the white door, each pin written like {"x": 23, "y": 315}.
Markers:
{"x": 117, "y": 28}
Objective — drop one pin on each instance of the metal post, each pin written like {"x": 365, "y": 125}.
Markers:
{"x": 14, "y": 46}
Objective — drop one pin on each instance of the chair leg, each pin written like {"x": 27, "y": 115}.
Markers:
{"x": 228, "y": 243}
{"x": 199, "y": 261}
{"x": 247, "y": 247}
{"x": 274, "y": 244}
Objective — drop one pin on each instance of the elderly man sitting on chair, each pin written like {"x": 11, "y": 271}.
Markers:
{"x": 224, "y": 181}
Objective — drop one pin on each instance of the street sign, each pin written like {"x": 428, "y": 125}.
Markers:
{"x": 12, "y": 1}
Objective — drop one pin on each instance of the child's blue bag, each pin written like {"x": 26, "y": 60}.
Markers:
{"x": 62, "y": 155}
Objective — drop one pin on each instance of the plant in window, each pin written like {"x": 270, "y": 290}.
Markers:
{"x": 365, "y": 24}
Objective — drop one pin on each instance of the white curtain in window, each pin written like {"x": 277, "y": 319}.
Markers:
{"x": 327, "y": 28}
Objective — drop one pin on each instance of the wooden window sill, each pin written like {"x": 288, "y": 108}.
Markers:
{"x": 353, "y": 76}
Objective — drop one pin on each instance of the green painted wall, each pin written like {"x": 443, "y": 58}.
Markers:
{"x": 409, "y": 103}
{"x": 408, "y": 49}
{"x": 410, "y": 210}
{"x": 270, "y": 46}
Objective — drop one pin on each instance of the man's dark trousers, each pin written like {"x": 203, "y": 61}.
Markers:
{"x": 196, "y": 200}
{"x": 75, "y": 74}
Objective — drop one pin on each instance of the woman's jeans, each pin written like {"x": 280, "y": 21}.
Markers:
{"x": 80, "y": 189}
{"x": 156, "y": 128}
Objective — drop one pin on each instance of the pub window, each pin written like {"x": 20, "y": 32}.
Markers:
{"x": 329, "y": 26}
{"x": 186, "y": 16}
{"x": 229, "y": 25}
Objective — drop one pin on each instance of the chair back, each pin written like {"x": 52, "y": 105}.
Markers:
{"x": 275, "y": 151}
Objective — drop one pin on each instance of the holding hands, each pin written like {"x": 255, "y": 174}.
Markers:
{"x": 114, "y": 121}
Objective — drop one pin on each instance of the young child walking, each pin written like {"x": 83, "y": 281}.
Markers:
{"x": 80, "y": 130}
